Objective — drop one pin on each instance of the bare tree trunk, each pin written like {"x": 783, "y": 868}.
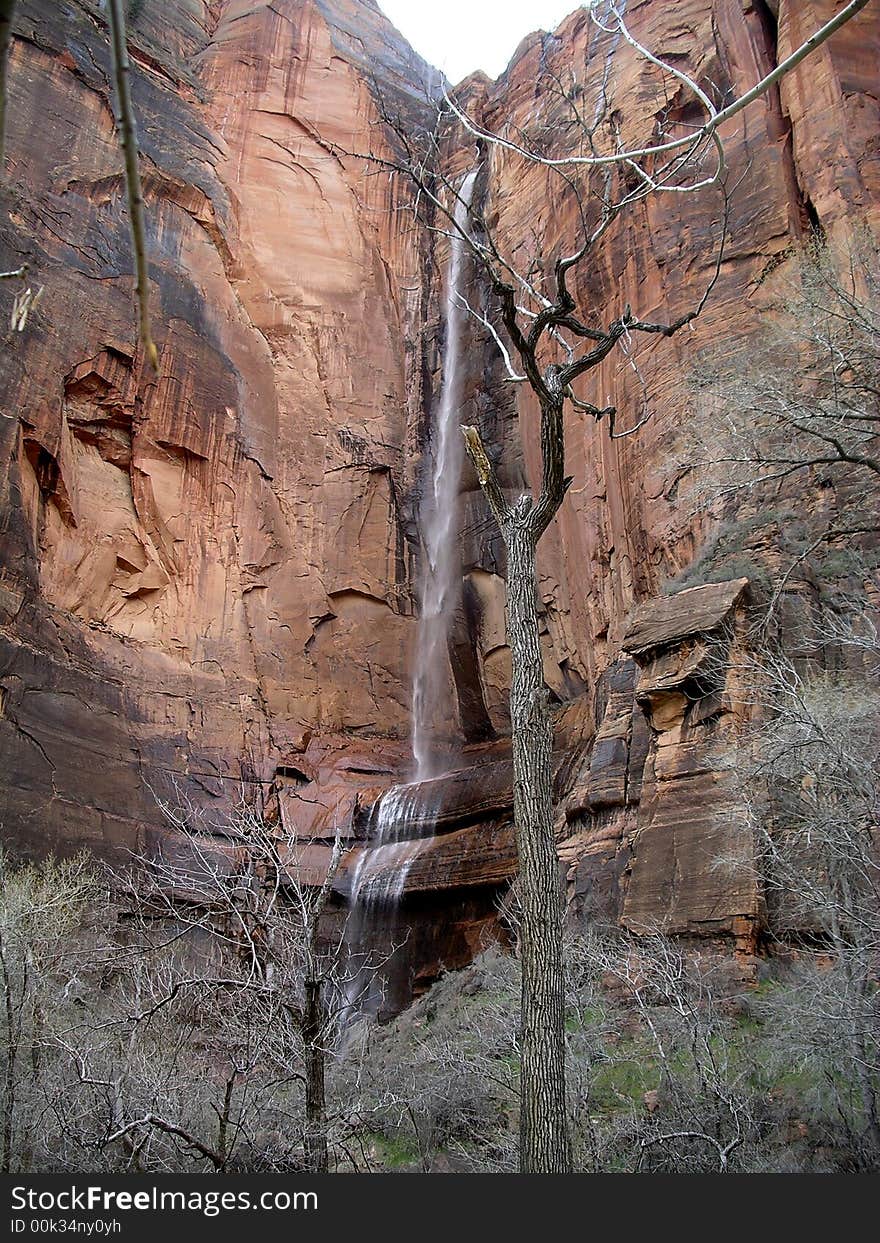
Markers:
{"x": 129, "y": 141}
{"x": 313, "y": 1041}
{"x": 225, "y": 1116}
{"x": 7, "y": 9}
{"x": 544, "y": 1143}
{"x": 857, "y": 968}
{"x": 862, "y": 1060}
{"x": 11, "y": 1059}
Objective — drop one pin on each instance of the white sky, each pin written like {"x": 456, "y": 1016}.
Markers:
{"x": 459, "y": 36}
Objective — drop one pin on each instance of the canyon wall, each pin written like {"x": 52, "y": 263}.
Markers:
{"x": 202, "y": 566}
{"x": 646, "y": 808}
{"x": 207, "y": 573}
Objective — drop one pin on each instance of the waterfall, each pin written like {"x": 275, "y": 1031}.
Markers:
{"x": 405, "y": 814}
{"x": 398, "y": 825}
{"x": 381, "y": 871}
{"x": 438, "y": 512}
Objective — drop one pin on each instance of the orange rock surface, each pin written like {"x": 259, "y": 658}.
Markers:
{"x": 208, "y": 573}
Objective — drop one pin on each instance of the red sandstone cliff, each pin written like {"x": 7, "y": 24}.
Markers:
{"x": 202, "y": 566}
{"x": 646, "y": 813}
{"x": 207, "y": 574}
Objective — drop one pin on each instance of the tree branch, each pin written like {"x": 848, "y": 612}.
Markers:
{"x": 512, "y": 375}
{"x": 128, "y": 138}
{"x": 554, "y": 485}
{"x": 693, "y": 140}
{"x": 486, "y": 475}
{"x": 7, "y": 10}
{"x": 169, "y": 1128}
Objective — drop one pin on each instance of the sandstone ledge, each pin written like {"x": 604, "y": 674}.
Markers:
{"x": 671, "y": 619}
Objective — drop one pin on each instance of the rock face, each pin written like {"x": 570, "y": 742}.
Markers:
{"x": 202, "y": 566}
{"x": 207, "y": 573}
{"x": 692, "y": 869}
{"x": 654, "y": 835}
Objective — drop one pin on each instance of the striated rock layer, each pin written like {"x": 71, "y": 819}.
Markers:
{"x": 206, "y": 575}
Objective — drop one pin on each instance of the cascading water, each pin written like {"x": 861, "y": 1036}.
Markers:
{"x": 404, "y": 814}
{"x": 376, "y": 889}
{"x": 440, "y": 579}
{"x": 382, "y": 869}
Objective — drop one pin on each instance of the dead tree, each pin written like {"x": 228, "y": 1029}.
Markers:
{"x": 809, "y": 778}
{"x": 268, "y": 912}
{"x": 548, "y": 342}
{"x": 229, "y": 995}
{"x": 804, "y": 402}
{"x": 43, "y": 908}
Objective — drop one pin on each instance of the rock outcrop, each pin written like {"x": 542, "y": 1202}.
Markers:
{"x": 207, "y": 573}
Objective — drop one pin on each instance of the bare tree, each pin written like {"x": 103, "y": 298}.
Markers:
{"x": 704, "y": 1109}
{"x": 229, "y": 991}
{"x": 548, "y": 342}
{"x": 127, "y": 129}
{"x": 42, "y": 909}
{"x": 811, "y": 780}
{"x": 785, "y": 438}
{"x": 804, "y": 411}
{"x": 803, "y": 400}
